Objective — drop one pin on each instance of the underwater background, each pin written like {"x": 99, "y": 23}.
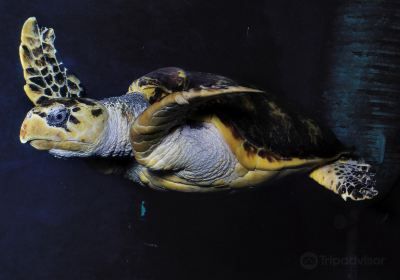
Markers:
{"x": 337, "y": 61}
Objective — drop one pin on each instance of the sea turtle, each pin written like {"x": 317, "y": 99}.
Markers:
{"x": 187, "y": 131}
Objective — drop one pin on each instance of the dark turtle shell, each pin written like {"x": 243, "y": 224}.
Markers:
{"x": 264, "y": 124}
{"x": 260, "y": 132}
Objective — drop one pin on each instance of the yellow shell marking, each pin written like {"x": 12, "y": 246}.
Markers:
{"x": 251, "y": 160}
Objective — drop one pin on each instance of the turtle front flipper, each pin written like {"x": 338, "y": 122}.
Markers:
{"x": 45, "y": 76}
{"x": 170, "y": 110}
{"x": 348, "y": 178}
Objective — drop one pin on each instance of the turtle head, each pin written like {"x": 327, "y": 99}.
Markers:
{"x": 65, "y": 126}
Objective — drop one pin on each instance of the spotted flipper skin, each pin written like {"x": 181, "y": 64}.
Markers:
{"x": 45, "y": 76}
{"x": 348, "y": 178}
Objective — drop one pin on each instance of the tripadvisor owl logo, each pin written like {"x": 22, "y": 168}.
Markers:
{"x": 310, "y": 260}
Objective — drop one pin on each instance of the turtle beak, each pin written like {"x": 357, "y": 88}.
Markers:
{"x": 25, "y": 132}
{"x": 34, "y": 128}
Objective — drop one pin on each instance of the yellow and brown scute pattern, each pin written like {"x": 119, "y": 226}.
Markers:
{"x": 157, "y": 84}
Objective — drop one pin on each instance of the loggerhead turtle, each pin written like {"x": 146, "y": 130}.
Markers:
{"x": 187, "y": 131}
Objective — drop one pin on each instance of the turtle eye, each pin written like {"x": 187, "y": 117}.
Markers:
{"x": 58, "y": 117}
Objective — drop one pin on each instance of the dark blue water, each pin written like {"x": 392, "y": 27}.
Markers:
{"x": 61, "y": 219}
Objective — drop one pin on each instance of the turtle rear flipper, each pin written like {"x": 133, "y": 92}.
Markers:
{"x": 348, "y": 178}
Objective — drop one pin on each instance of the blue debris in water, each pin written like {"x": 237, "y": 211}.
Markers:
{"x": 142, "y": 209}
